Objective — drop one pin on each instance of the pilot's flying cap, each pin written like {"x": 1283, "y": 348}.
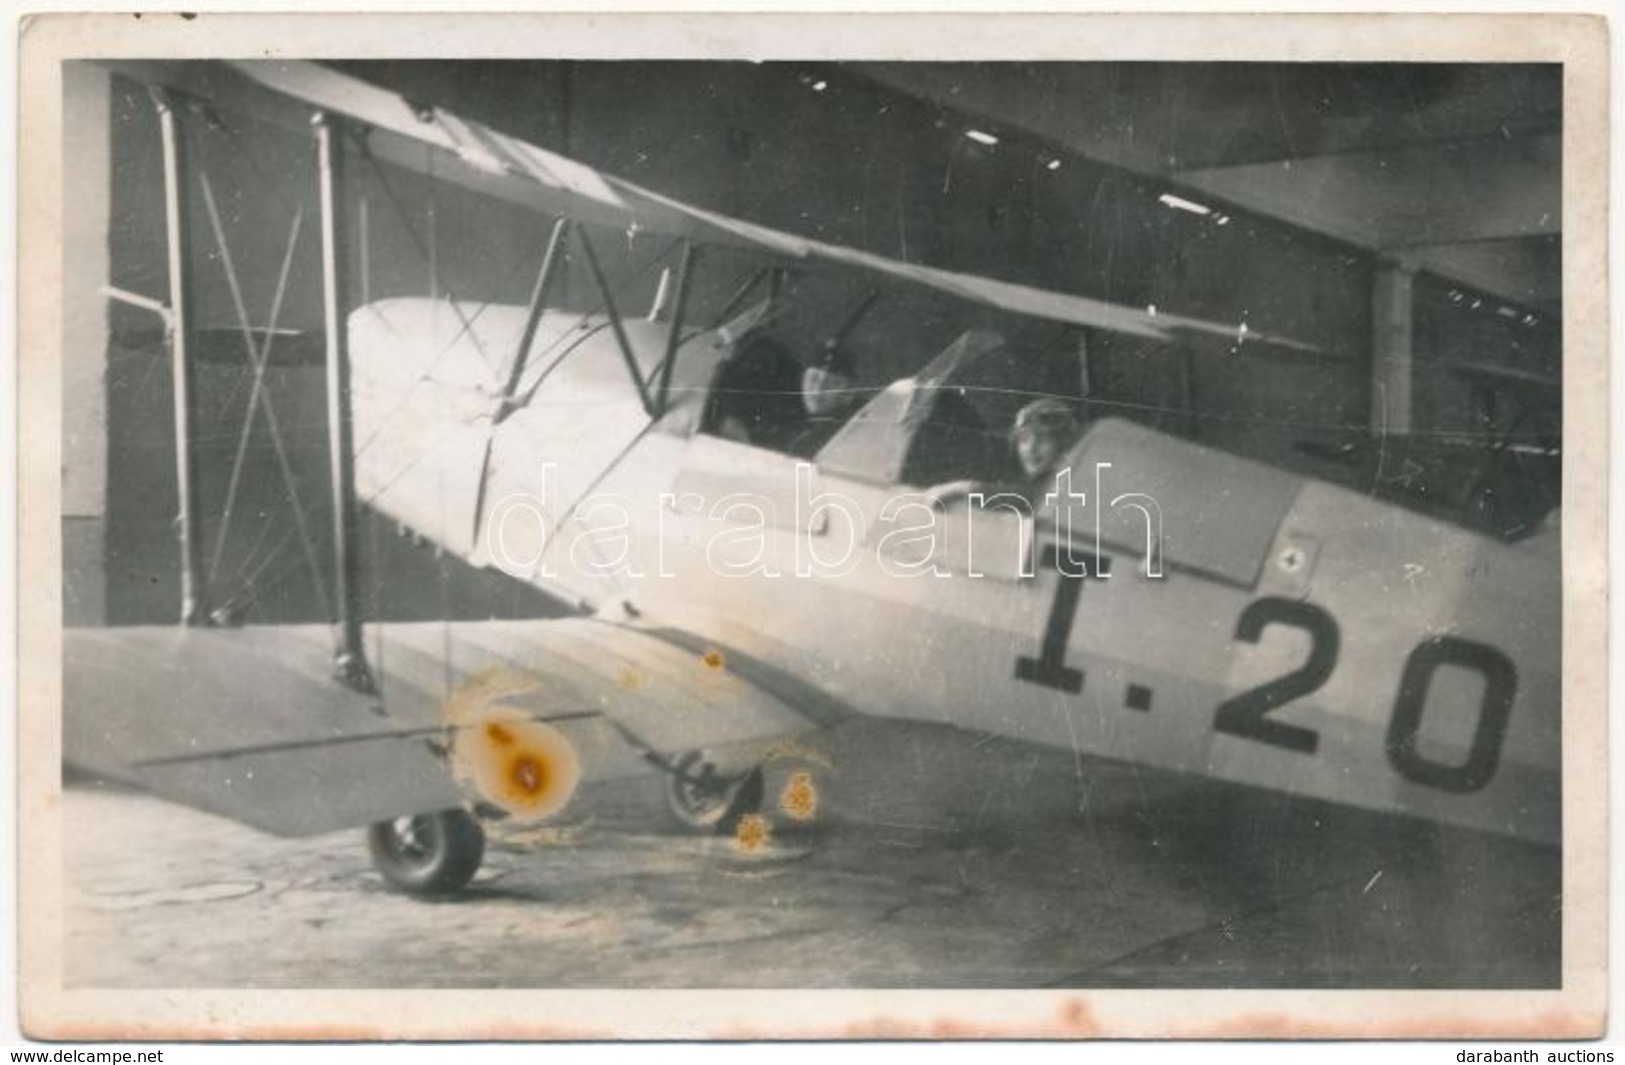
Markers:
{"x": 1046, "y": 413}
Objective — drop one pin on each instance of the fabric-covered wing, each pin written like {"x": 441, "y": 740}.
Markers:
{"x": 488, "y": 161}
{"x": 247, "y": 723}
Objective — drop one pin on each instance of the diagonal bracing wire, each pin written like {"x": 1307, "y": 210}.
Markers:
{"x": 467, "y": 320}
{"x": 248, "y": 580}
{"x": 427, "y": 254}
{"x": 259, "y": 357}
{"x": 564, "y": 339}
{"x": 254, "y": 393}
{"x": 570, "y": 339}
{"x": 253, "y": 554}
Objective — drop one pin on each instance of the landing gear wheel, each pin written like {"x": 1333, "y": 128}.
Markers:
{"x": 428, "y": 854}
{"x": 701, "y": 800}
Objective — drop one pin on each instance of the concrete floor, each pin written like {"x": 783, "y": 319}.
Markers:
{"x": 1049, "y": 872}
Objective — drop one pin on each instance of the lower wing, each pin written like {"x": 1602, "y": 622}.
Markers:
{"x": 248, "y": 723}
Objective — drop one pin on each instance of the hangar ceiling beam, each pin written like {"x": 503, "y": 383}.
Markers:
{"x": 1402, "y": 198}
{"x": 1528, "y": 271}
{"x": 1345, "y": 138}
{"x": 1425, "y": 156}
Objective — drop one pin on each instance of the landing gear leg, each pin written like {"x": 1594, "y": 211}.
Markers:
{"x": 700, "y": 799}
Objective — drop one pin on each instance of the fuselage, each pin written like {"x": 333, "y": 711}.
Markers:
{"x": 1157, "y": 602}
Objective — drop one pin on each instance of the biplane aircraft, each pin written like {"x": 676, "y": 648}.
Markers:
{"x": 746, "y": 567}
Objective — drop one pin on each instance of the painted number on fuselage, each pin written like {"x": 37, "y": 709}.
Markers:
{"x": 1049, "y": 668}
{"x": 1247, "y": 714}
{"x": 1489, "y": 733}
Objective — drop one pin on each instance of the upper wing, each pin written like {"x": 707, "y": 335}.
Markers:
{"x": 247, "y": 723}
{"x": 488, "y": 161}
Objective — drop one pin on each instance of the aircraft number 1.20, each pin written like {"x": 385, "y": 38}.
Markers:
{"x": 1246, "y": 715}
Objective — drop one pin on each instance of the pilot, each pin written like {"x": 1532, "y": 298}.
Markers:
{"x": 755, "y": 393}
{"x": 1043, "y": 431}
{"x": 829, "y": 394}
{"x": 765, "y": 398}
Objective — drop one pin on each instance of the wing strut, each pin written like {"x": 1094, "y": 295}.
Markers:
{"x": 533, "y": 319}
{"x": 621, "y": 340}
{"x": 194, "y": 592}
{"x": 685, "y": 278}
{"x": 350, "y": 657}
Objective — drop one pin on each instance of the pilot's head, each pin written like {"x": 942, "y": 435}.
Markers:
{"x": 827, "y": 384}
{"x": 1044, "y": 429}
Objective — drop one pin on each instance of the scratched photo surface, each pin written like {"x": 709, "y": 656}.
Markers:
{"x": 722, "y": 524}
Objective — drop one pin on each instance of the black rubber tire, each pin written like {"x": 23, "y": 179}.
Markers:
{"x": 428, "y": 854}
{"x": 716, "y": 812}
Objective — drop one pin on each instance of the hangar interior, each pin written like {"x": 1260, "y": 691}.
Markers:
{"x": 1403, "y": 222}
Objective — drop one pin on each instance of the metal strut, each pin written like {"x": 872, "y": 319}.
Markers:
{"x": 545, "y": 278}
{"x": 350, "y": 656}
{"x": 621, "y": 340}
{"x": 177, "y": 319}
{"x": 685, "y": 277}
